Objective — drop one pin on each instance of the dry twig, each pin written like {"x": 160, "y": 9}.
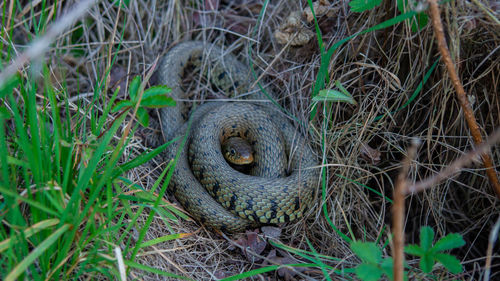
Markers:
{"x": 456, "y": 165}
{"x": 462, "y": 97}
{"x": 489, "y": 252}
{"x": 398, "y": 211}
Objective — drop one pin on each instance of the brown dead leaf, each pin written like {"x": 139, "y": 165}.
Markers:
{"x": 321, "y": 8}
{"x": 220, "y": 274}
{"x": 284, "y": 258}
{"x": 370, "y": 154}
{"x": 271, "y": 231}
{"x": 252, "y": 243}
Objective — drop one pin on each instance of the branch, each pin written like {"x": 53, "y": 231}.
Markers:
{"x": 398, "y": 214}
{"x": 456, "y": 165}
{"x": 462, "y": 97}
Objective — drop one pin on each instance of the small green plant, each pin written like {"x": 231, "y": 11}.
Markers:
{"x": 372, "y": 266}
{"x": 335, "y": 95}
{"x": 430, "y": 254}
{"x": 154, "y": 97}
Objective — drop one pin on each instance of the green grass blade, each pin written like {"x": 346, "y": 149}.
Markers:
{"x": 154, "y": 270}
{"x": 28, "y": 232}
{"x": 415, "y": 93}
{"x": 39, "y": 250}
{"x": 165, "y": 238}
{"x": 324, "y": 267}
{"x": 325, "y": 58}
{"x": 265, "y": 269}
{"x": 31, "y": 202}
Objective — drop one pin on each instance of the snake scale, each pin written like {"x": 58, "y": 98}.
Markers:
{"x": 212, "y": 191}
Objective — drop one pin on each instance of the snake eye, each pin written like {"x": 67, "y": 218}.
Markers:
{"x": 232, "y": 152}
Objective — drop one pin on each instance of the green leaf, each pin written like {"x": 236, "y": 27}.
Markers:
{"x": 414, "y": 250}
{"x": 28, "y": 232}
{"x": 124, "y": 3}
{"x": 159, "y": 90}
{"x": 367, "y": 251}
{"x": 165, "y": 238}
{"x": 450, "y": 262}
{"x": 121, "y": 104}
{"x": 387, "y": 266}
{"x": 334, "y": 95}
{"x": 153, "y": 270}
{"x": 368, "y": 272}
{"x": 401, "y": 5}
{"x": 134, "y": 87}
{"x": 421, "y": 19}
{"x": 426, "y": 238}
{"x": 5, "y": 113}
{"x": 359, "y": 6}
{"x": 157, "y": 101}
{"x": 450, "y": 241}
{"x": 426, "y": 263}
{"x": 142, "y": 116}
{"x": 9, "y": 85}
{"x": 36, "y": 252}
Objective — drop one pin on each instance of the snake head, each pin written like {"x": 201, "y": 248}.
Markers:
{"x": 237, "y": 151}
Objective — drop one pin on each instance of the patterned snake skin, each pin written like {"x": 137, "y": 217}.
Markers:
{"x": 205, "y": 184}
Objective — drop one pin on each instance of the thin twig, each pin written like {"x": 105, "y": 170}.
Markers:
{"x": 40, "y": 45}
{"x": 398, "y": 211}
{"x": 462, "y": 97}
{"x": 456, "y": 165}
{"x": 489, "y": 252}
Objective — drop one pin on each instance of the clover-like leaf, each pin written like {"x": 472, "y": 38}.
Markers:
{"x": 426, "y": 238}
{"x": 142, "y": 116}
{"x": 121, "y": 104}
{"x": 359, "y": 6}
{"x": 387, "y": 266}
{"x": 414, "y": 250}
{"x": 368, "y": 272}
{"x": 426, "y": 263}
{"x": 134, "y": 87}
{"x": 367, "y": 251}
{"x": 158, "y": 90}
{"x": 450, "y": 241}
{"x": 157, "y": 101}
{"x": 450, "y": 262}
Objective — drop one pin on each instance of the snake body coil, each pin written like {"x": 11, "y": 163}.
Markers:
{"x": 208, "y": 188}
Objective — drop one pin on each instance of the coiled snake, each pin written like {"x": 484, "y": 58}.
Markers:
{"x": 205, "y": 184}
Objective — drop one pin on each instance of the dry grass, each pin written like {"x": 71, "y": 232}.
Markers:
{"x": 380, "y": 69}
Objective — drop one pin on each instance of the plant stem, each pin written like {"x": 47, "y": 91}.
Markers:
{"x": 398, "y": 214}
{"x": 462, "y": 97}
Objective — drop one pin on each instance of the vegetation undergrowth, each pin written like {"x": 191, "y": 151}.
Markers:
{"x": 82, "y": 196}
